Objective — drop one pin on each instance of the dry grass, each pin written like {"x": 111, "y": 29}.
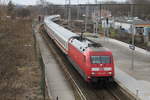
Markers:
{"x": 20, "y": 73}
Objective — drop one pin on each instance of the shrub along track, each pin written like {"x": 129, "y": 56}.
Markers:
{"x": 85, "y": 91}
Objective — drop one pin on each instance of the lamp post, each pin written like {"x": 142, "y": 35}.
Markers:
{"x": 133, "y": 47}
{"x": 133, "y": 40}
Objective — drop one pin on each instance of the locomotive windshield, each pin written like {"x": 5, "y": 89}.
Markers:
{"x": 100, "y": 59}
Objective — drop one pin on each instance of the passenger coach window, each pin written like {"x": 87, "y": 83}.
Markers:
{"x": 100, "y": 59}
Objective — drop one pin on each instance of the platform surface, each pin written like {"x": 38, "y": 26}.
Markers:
{"x": 136, "y": 80}
{"x": 56, "y": 82}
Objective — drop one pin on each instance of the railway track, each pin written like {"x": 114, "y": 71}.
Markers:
{"x": 83, "y": 91}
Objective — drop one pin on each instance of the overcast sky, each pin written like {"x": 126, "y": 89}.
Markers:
{"x": 33, "y": 2}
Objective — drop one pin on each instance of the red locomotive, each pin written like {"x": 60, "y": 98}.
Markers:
{"x": 90, "y": 59}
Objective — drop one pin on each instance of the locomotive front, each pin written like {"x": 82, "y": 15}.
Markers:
{"x": 101, "y": 65}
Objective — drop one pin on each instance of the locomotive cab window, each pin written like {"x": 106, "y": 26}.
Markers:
{"x": 100, "y": 59}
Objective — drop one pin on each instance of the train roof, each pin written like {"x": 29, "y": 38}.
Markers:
{"x": 84, "y": 44}
{"x": 59, "y": 30}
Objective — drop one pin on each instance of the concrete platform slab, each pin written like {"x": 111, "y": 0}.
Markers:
{"x": 58, "y": 86}
{"x": 139, "y": 88}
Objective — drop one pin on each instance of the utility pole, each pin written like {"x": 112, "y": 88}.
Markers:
{"x": 107, "y": 27}
{"x": 96, "y": 18}
{"x": 68, "y": 10}
{"x": 69, "y": 15}
{"x": 78, "y": 10}
{"x": 86, "y": 16}
{"x": 106, "y": 31}
{"x": 100, "y": 10}
{"x": 94, "y": 21}
{"x": 43, "y": 2}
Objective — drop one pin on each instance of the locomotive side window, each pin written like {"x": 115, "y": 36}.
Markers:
{"x": 100, "y": 59}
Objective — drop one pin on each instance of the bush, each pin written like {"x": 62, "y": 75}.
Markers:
{"x": 113, "y": 32}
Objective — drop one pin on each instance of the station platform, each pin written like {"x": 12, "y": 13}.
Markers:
{"x": 134, "y": 79}
{"x": 58, "y": 87}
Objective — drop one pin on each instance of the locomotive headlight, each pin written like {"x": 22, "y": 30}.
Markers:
{"x": 107, "y": 69}
{"x": 95, "y": 69}
{"x": 93, "y": 73}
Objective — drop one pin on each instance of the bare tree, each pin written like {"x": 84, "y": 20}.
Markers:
{"x": 139, "y": 1}
{"x": 10, "y": 8}
{"x": 23, "y": 12}
{"x": 3, "y": 7}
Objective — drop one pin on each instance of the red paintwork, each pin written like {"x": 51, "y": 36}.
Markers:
{"x": 101, "y": 73}
{"x": 86, "y": 65}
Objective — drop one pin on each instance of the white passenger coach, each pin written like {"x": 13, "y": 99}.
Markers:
{"x": 58, "y": 33}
